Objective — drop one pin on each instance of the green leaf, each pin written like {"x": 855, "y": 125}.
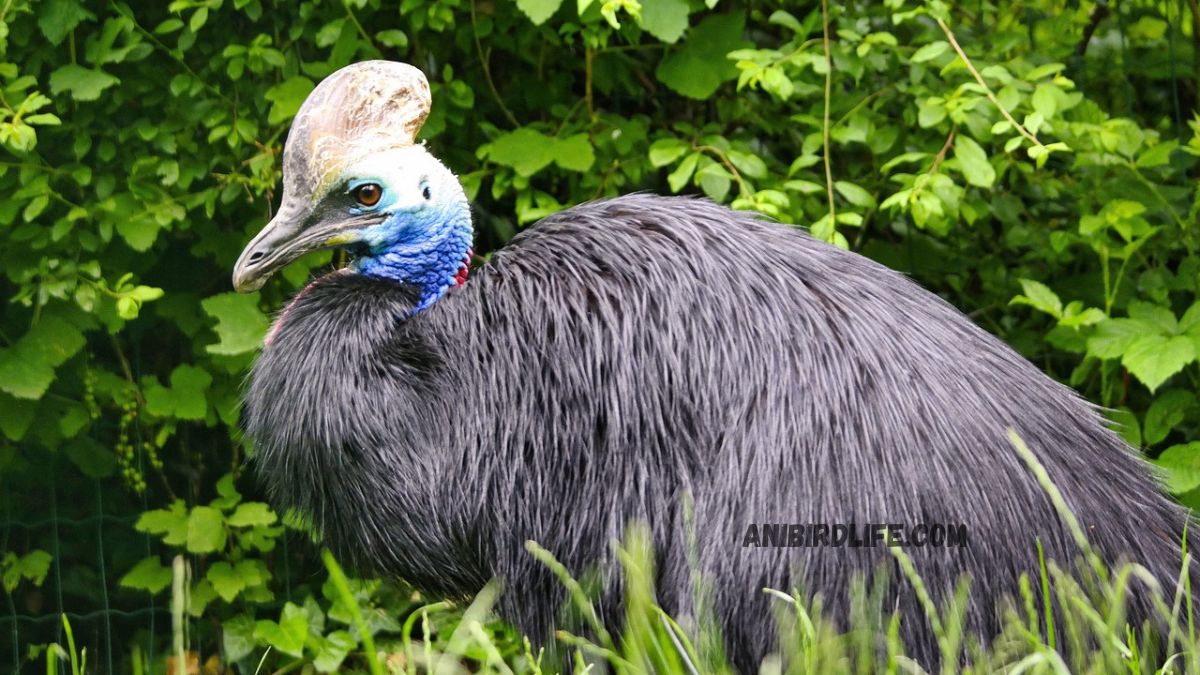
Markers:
{"x": 1113, "y": 337}
{"x": 683, "y": 173}
{"x": 1162, "y": 318}
{"x": 17, "y": 417}
{"x": 228, "y": 493}
{"x": 287, "y": 97}
{"x": 334, "y": 649}
{"x": 1045, "y": 99}
{"x": 1157, "y": 155}
{"x": 27, "y": 368}
{"x": 1088, "y": 317}
{"x": 56, "y": 18}
{"x": 1168, "y": 410}
{"x": 288, "y": 634}
{"x": 781, "y": 18}
{"x": 854, "y": 194}
{"x": 973, "y": 162}
{"x": 526, "y": 150}
{"x": 237, "y": 637}
{"x": 201, "y": 594}
{"x": 84, "y": 84}
{"x": 699, "y": 67}
{"x": 225, "y": 581}
{"x": 930, "y": 51}
{"x": 1040, "y": 297}
{"x": 574, "y": 153}
{"x": 171, "y": 523}
{"x": 32, "y": 567}
{"x": 749, "y": 164}
{"x": 666, "y": 150}
{"x": 241, "y": 325}
{"x": 396, "y": 39}
{"x": 140, "y": 232}
{"x": 250, "y": 514}
{"x": 665, "y": 19}
{"x": 1182, "y": 464}
{"x": 186, "y": 397}
{"x": 715, "y": 181}
{"x": 539, "y": 11}
{"x": 1154, "y": 358}
{"x": 148, "y": 575}
{"x": 205, "y": 530}
{"x": 930, "y": 113}
{"x": 1190, "y": 321}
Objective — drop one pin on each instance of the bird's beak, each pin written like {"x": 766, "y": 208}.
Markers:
{"x": 285, "y": 239}
{"x": 274, "y": 246}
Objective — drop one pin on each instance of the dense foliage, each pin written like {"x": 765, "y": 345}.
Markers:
{"x": 1033, "y": 162}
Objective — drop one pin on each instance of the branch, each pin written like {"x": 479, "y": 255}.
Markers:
{"x": 487, "y": 71}
{"x": 1098, "y": 15}
{"x": 941, "y": 155}
{"x": 986, "y": 89}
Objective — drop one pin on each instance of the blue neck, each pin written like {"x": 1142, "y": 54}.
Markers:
{"x": 429, "y": 249}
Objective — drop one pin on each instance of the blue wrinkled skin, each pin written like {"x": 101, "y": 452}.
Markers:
{"x": 425, "y": 247}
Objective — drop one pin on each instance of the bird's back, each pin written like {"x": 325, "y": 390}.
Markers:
{"x": 664, "y": 346}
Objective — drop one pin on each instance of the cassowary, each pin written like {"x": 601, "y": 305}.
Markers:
{"x": 662, "y": 360}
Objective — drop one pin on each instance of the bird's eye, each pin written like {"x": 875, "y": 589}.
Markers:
{"x": 367, "y": 194}
{"x": 426, "y": 192}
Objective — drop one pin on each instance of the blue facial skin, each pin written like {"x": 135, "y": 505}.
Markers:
{"x": 426, "y": 246}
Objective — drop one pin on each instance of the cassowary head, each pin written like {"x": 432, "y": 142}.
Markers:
{"x": 353, "y": 178}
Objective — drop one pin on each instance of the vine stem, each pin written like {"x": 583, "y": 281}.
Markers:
{"x": 941, "y": 155}
{"x": 588, "y": 57}
{"x": 825, "y": 120}
{"x": 167, "y": 50}
{"x": 487, "y": 70}
{"x": 986, "y": 89}
{"x": 362, "y": 32}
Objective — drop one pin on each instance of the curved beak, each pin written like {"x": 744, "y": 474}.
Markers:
{"x": 274, "y": 246}
{"x": 285, "y": 239}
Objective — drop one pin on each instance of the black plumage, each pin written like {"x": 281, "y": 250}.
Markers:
{"x": 622, "y": 354}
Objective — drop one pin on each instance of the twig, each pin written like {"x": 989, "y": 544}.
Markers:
{"x": 825, "y": 120}
{"x": 587, "y": 91}
{"x": 941, "y": 155}
{"x": 128, "y": 372}
{"x": 1179, "y": 221}
{"x": 487, "y": 70}
{"x": 986, "y": 89}
{"x": 1098, "y": 15}
{"x": 175, "y": 57}
{"x": 862, "y": 102}
{"x": 743, "y": 186}
{"x": 361, "y": 31}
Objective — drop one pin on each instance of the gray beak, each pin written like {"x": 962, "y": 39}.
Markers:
{"x": 276, "y": 245}
{"x": 291, "y": 234}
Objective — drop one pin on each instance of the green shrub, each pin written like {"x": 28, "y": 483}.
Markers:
{"x": 1032, "y": 162}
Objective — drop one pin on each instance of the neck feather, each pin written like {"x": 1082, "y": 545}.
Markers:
{"x": 435, "y": 257}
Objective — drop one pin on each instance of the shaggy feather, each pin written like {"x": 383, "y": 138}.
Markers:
{"x": 622, "y": 354}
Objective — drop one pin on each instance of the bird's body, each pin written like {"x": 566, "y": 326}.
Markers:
{"x": 624, "y": 358}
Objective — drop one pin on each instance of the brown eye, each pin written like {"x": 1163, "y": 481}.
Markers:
{"x": 367, "y": 194}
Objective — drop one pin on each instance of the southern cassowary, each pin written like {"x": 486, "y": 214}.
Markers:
{"x": 629, "y": 360}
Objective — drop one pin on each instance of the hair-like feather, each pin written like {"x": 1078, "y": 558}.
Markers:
{"x": 622, "y": 354}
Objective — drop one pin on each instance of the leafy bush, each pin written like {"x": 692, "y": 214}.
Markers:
{"x": 1031, "y": 162}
